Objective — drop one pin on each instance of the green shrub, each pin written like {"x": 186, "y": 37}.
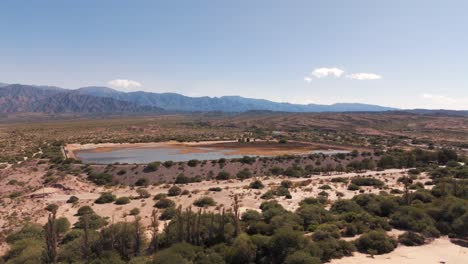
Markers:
{"x": 174, "y": 191}
{"x": 223, "y": 175}
{"x": 204, "y": 202}
{"x": 142, "y": 182}
{"x": 182, "y": 179}
{"x": 106, "y": 197}
{"x": 375, "y": 242}
{"x": 85, "y": 210}
{"x": 257, "y": 184}
{"x": 122, "y": 200}
{"x": 411, "y": 239}
{"x": 363, "y": 181}
{"x": 134, "y": 211}
{"x": 168, "y": 164}
{"x": 164, "y": 203}
{"x": 193, "y": 163}
{"x": 244, "y": 174}
{"x": 152, "y": 167}
{"x": 72, "y": 199}
{"x": 159, "y": 196}
{"x": 143, "y": 193}
{"x": 101, "y": 178}
{"x": 168, "y": 213}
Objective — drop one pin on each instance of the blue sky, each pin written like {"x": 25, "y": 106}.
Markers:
{"x": 407, "y": 54}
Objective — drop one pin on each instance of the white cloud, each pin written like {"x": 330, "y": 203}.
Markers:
{"x": 325, "y": 72}
{"x": 338, "y": 73}
{"x": 124, "y": 84}
{"x": 364, "y": 76}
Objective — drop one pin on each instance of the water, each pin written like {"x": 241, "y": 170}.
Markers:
{"x": 146, "y": 155}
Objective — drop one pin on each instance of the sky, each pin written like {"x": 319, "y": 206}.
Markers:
{"x": 405, "y": 54}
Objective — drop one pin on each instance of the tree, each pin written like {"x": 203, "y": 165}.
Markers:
{"x": 51, "y": 237}
{"x": 235, "y": 208}
{"x": 243, "y": 250}
{"x": 153, "y": 245}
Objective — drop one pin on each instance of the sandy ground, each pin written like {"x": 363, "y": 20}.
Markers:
{"x": 439, "y": 251}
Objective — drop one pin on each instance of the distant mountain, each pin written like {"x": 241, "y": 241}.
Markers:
{"x": 27, "y": 98}
{"x": 441, "y": 112}
{"x": 178, "y": 102}
{"x": 50, "y": 99}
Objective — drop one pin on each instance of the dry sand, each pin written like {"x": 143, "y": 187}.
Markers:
{"x": 439, "y": 251}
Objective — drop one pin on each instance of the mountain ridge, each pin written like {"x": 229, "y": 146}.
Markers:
{"x": 179, "y": 102}
{"x": 100, "y": 99}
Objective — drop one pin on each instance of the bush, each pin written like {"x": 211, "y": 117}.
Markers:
{"x": 52, "y": 208}
{"x": 193, "y": 163}
{"x": 276, "y": 171}
{"x": 223, "y": 175}
{"x": 244, "y": 174}
{"x": 182, "y": 179}
{"x": 101, "y": 179}
{"x": 72, "y": 199}
{"x": 134, "y": 211}
{"x": 142, "y": 182}
{"x": 174, "y": 191}
{"x": 411, "y": 239}
{"x": 247, "y": 160}
{"x": 143, "y": 193}
{"x": 413, "y": 219}
{"x": 106, "y": 197}
{"x": 152, "y": 167}
{"x": 204, "y": 202}
{"x": 122, "y": 200}
{"x": 168, "y": 213}
{"x": 168, "y": 164}
{"x": 325, "y": 187}
{"x": 362, "y": 181}
{"x": 286, "y": 184}
{"x": 257, "y": 184}
{"x": 85, "y": 210}
{"x": 215, "y": 189}
{"x": 164, "y": 203}
{"x": 62, "y": 225}
{"x": 375, "y": 242}
{"x": 159, "y": 196}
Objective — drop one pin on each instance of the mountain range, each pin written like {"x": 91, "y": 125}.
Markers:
{"x": 49, "y": 99}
